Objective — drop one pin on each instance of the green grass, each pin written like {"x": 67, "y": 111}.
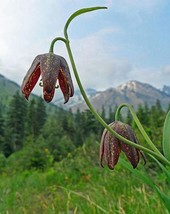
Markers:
{"x": 77, "y": 185}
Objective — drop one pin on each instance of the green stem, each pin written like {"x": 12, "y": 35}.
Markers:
{"x": 97, "y": 116}
{"x": 77, "y": 13}
{"x": 51, "y": 50}
{"x": 148, "y": 140}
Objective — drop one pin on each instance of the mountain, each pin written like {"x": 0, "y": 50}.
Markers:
{"x": 166, "y": 89}
{"x": 132, "y": 92}
{"x": 75, "y": 100}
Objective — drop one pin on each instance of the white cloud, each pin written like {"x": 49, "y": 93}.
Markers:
{"x": 154, "y": 76}
{"x": 24, "y": 33}
{"x": 166, "y": 71}
{"x": 27, "y": 28}
{"x": 94, "y": 59}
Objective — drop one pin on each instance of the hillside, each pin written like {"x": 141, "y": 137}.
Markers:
{"x": 8, "y": 88}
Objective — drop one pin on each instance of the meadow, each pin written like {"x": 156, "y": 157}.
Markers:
{"x": 77, "y": 184}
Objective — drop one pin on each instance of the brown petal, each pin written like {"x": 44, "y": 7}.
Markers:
{"x": 102, "y": 143}
{"x": 110, "y": 148}
{"x": 131, "y": 152}
{"x": 50, "y": 64}
{"x": 65, "y": 68}
{"x": 64, "y": 85}
{"x": 112, "y": 151}
{"x": 31, "y": 77}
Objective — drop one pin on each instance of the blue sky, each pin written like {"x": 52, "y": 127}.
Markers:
{"x": 128, "y": 41}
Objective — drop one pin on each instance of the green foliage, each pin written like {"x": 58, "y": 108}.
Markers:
{"x": 78, "y": 185}
{"x": 142, "y": 175}
{"x": 1, "y": 131}
{"x": 60, "y": 131}
{"x": 166, "y": 137}
{"x": 36, "y": 117}
{"x": 3, "y": 161}
{"x": 34, "y": 155}
{"x": 62, "y": 147}
{"x": 30, "y": 118}
{"x": 152, "y": 120}
{"x": 15, "y": 125}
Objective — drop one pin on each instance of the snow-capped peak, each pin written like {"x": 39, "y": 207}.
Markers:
{"x": 130, "y": 85}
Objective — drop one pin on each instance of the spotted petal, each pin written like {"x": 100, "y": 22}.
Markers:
{"x": 110, "y": 148}
{"x": 64, "y": 85}
{"x": 31, "y": 77}
{"x": 65, "y": 80}
{"x": 131, "y": 152}
{"x": 50, "y": 64}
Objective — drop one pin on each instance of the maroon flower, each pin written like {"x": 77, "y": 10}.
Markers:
{"x": 111, "y": 146}
{"x": 51, "y": 68}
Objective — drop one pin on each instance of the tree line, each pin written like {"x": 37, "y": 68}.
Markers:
{"x": 43, "y": 135}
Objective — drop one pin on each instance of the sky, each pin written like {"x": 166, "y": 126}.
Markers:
{"x": 128, "y": 41}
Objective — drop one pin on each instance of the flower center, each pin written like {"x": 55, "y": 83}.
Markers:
{"x": 41, "y": 84}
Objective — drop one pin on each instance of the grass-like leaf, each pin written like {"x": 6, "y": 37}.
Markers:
{"x": 166, "y": 137}
{"x": 147, "y": 180}
{"x": 137, "y": 173}
{"x": 165, "y": 198}
{"x": 167, "y": 173}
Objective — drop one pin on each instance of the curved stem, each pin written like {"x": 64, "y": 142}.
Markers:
{"x": 144, "y": 134}
{"x": 97, "y": 116}
{"x": 77, "y": 13}
{"x": 51, "y": 50}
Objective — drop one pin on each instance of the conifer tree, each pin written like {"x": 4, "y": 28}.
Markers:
{"x": 40, "y": 115}
{"x": 36, "y": 117}
{"x": 128, "y": 119}
{"x": 15, "y": 125}
{"x": 1, "y": 131}
{"x": 30, "y": 119}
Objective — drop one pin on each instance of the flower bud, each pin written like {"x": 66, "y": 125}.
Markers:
{"x": 111, "y": 146}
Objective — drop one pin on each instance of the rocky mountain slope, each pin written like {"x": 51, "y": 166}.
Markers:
{"x": 132, "y": 92}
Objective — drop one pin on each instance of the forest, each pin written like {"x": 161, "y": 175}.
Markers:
{"x": 49, "y": 161}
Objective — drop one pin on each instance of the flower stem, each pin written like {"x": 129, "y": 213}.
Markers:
{"x": 77, "y": 13}
{"x": 51, "y": 50}
{"x": 97, "y": 116}
{"x": 144, "y": 134}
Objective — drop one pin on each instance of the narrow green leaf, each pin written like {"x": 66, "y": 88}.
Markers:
{"x": 166, "y": 137}
{"x": 147, "y": 180}
{"x": 79, "y": 12}
{"x": 165, "y": 198}
{"x": 167, "y": 172}
{"x": 137, "y": 173}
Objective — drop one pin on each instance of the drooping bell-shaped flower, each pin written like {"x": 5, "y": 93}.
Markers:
{"x": 111, "y": 146}
{"x": 50, "y": 67}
